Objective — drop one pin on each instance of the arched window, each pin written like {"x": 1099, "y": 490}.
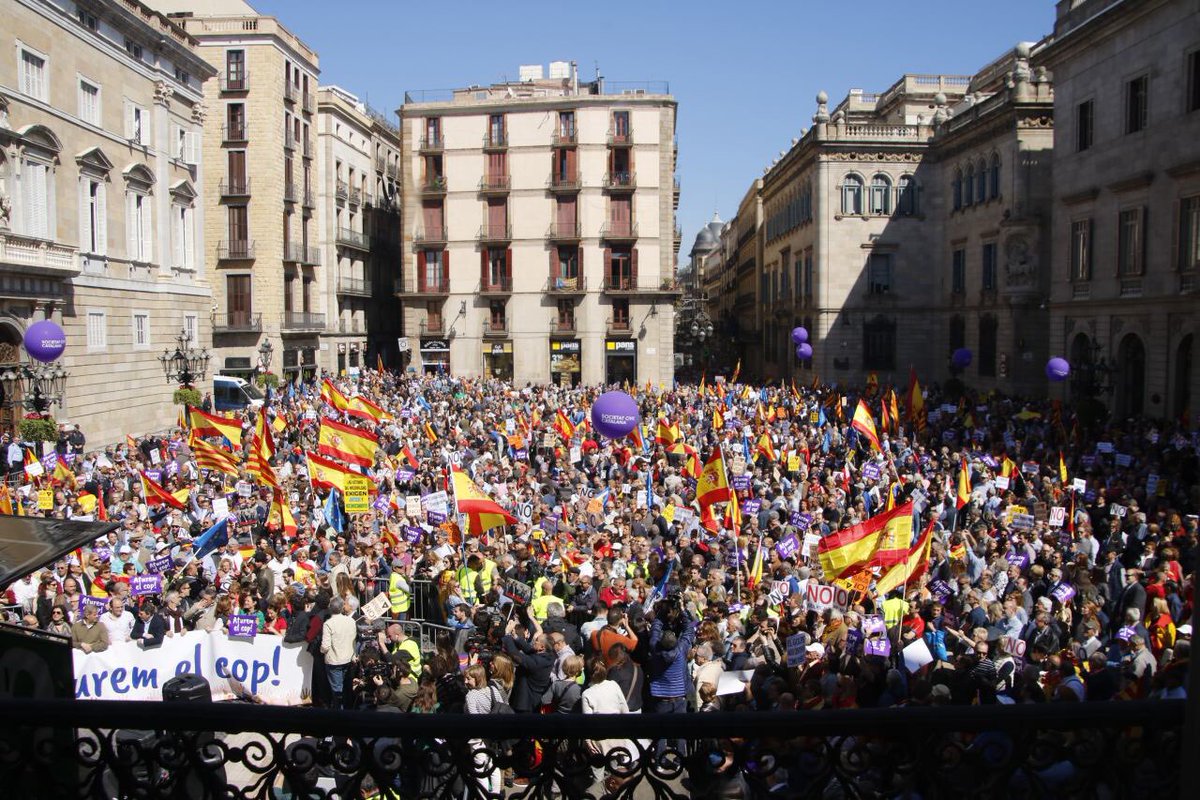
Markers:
{"x": 994, "y": 180}
{"x": 852, "y": 195}
{"x": 981, "y": 186}
{"x": 969, "y": 186}
{"x": 958, "y": 189}
{"x": 881, "y": 195}
{"x": 906, "y": 196}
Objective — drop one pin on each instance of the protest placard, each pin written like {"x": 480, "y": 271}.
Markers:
{"x": 243, "y": 625}
{"x": 358, "y": 497}
{"x": 788, "y": 547}
{"x": 160, "y": 564}
{"x": 147, "y": 584}
{"x": 376, "y": 608}
{"x": 795, "y": 649}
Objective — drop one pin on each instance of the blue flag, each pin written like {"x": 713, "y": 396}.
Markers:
{"x": 333, "y": 512}
{"x": 423, "y": 403}
{"x": 212, "y": 539}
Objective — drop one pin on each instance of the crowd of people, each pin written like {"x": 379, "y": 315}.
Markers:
{"x": 1063, "y": 570}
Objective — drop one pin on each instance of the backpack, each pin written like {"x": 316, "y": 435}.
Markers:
{"x": 499, "y": 704}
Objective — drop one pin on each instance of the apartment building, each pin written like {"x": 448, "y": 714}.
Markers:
{"x": 539, "y": 229}
{"x": 385, "y": 327}
{"x": 1125, "y": 255}
{"x": 264, "y": 254}
{"x": 101, "y": 228}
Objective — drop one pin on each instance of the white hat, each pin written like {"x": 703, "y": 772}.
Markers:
{"x": 125, "y": 549}
{"x": 1184, "y": 630}
{"x": 816, "y": 647}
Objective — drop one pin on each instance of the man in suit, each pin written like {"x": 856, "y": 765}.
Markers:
{"x": 534, "y": 662}
{"x": 1133, "y": 595}
{"x": 150, "y": 627}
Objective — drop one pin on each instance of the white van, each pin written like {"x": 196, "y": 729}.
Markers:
{"x": 234, "y": 394}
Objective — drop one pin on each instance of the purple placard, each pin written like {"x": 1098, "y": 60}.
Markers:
{"x": 87, "y": 600}
{"x": 741, "y": 482}
{"x": 751, "y": 506}
{"x": 735, "y": 608}
{"x": 103, "y": 553}
{"x": 939, "y": 589}
{"x": 404, "y": 475}
{"x": 521, "y": 454}
{"x": 243, "y": 625}
{"x": 1087, "y": 460}
{"x": 854, "y": 640}
{"x": 1030, "y": 467}
{"x": 1126, "y": 633}
{"x": 145, "y": 584}
{"x": 801, "y": 521}
{"x": 413, "y": 534}
{"x": 990, "y": 460}
{"x": 550, "y": 524}
{"x": 788, "y": 547}
{"x": 1063, "y": 593}
{"x": 873, "y": 624}
{"x": 881, "y": 646}
{"x": 172, "y": 468}
{"x": 1019, "y": 560}
{"x": 160, "y": 564}
{"x": 734, "y": 559}
{"x": 154, "y": 475}
{"x": 435, "y": 517}
{"x": 871, "y": 472}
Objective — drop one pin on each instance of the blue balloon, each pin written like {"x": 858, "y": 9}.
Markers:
{"x": 799, "y": 335}
{"x": 1057, "y": 369}
{"x": 614, "y": 414}
{"x": 45, "y": 341}
{"x": 961, "y": 358}
{"x": 804, "y": 351}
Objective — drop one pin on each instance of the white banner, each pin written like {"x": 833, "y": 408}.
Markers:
{"x": 279, "y": 673}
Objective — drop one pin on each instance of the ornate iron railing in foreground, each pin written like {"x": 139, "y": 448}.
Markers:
{"x": 127, "y": 749}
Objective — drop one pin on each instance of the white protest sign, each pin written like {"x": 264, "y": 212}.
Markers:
{"x": 811, "y": 540}
{"x": 1014, "y": 646}
{"x": 412, "y": 506}
{"x": 576, "y": 454}
{"x": 1117, "y": 510}
{"x": 1079, "y": 485}
{"x": 525, "y": 512}
{"x": 220, "y": 507}
{"x": 155, "y": 458}
{"x": 436, "y": 501}
{"x": 784, "y": 588}
{"x": 821, "y": 597}
{"x": 916, "y": 655}
{"x": 279, "y": 673}
{"x": 378, "y": 606}
{"x": 1058, "y": 515}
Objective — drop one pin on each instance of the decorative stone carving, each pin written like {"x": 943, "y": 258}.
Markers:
{"x": 198, "y": 112}
{"x": 9, "y": 353}
{"x": 162, "y": 94}
{"x": 1020, "y": 266}
{"x": 1117, "y": 325}
{"x": 822, "y": 114}
{"x": 4, "y": 126}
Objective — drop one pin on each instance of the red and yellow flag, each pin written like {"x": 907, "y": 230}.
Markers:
{"x": 205, "y": 424}
{"x": 211, "y": 457}
{"x": 915, "y": 401}
{"x": 765, "y": 447}
{"x": 666, "y": 434}
{"x": 280, "y": 515}
{"x": 261, "y": 453}
{"x": 158, "y": 496}
{"x": 844, "y": 553}
{"x": 324, "y": 473}
{"x": 1062, "y": 468}
{"x": 691, "y": 462}
{"x": 563, "y": 425}
{"x": 352, "y": 445}
{"x": 333, "y": 396}
{"x": 864, "y": 423}
{"x": 963, "y": 495}
{"x": 736, "y": 372}
{"x": 361, "y": 407}
{"x": 482, "y": 512}
{"x": 409, "y": 458}
{"x": 911, "y": 568}
{"x": 718, "y": 422}
{"x": 711, "y": 486}
{"x": 894, "y": 407}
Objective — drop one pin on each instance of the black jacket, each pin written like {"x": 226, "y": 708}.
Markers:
{"x": 533, "y": 674}
{"x": 156, "y": 627}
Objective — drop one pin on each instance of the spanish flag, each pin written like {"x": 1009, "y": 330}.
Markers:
{"x": 352, "y": 445}
{"x": 1007, "y": 467}
{"x": 963, "y": 495}
{"x": 563, "y": 425}
{"x": 638, "y": 437}
{"x": 6, "y": 505}
{"x": 363, "y": 408}
{"x": 915, "y": 401}
{"x": 324, "y": 473}
{"x": 1062, "y": 468}
{"x": 718, "y": 419}
{"x": 765, "y": 447}
{"x": 482, "y": 512}
{"x": 33, "y": 467}
{"x": 409, "y": 458}
{"x": 204, "y": 424}
{"x": 691, "y": 464}
{"x": 158, "y": 496}
{"x": 872, "y": 383}
{"x": 702, "y": 376}
{"x": 279, "y": 423}
{"x": 666, "y": 434}
{"x": 280, "y": 515}
{"x": 736, "y": 372}
{"x": 333, "y": 396}
{"x": 852, "y": 549}
{"x": 210, "y": 457}
{"x": 884, "y": 419}
{"x": 912, "y": 567}
{"x": 181, "y": 422}
{"x": 711, "y": 486}
{"x": 379, "y": 363}
{"x": 261, "y": 453}
{"x": 864, "y": 423}
{"x": 63, "y": 473}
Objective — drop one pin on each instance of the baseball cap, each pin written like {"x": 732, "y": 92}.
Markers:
{"x": 816, "y": 647}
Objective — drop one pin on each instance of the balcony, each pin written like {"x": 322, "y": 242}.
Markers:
{"x": 424, "y": 286}
{"x": 379, "y": 163}
{"x": 392, "y": 171}
{"x": 495, "y": 233}
{"x": 564, "y": 232}
{"x": 1131, "y": 287}
{"x": 558, "y": 285}
{"x": 433, "y": 186}
{"x": 627, "y": 286}
{"x": 354, "y": 286}
{"x": 234, "y": 134}
{"x": 289, "y": 140}
{"x": 29, "y": 254}
{"x": 428, "y": 236}
{"x": 620, "y": 138}
{"x": 495, "y": 141}
{"x": 351, "y": 326}
{"x": 309, "y": 102}
{"x": 495, "y": 286}
{"x": 300, "y": 253}
{"x": 309, "y": 153}
{"x": 310, "y": 199}
{"x": 290, "y": 193}
{"x": 431, "y": 144}
{"x": 619, "y": 231}
{"x": 431, "y": 327}
{"x": 493, "y": 328}
{"x": 565, "y": 139}
{"x": 355, "y": 196}
{"x": 620, "y": 326}
{"x": 565, "y": 183}
{"x": 675, "y": 195}
{"x": 235, "y": 187}
{"x": 563, "y": 327}
{"x": 494, "y": 184}
{"x": 620, "y": 181}
{"x": 237, "y": 322}
{"x": 341, "y": 191}
{"x": 235, "y": 250}
{"x": 352, "y": 238}
{"x": 235, "y": 83}
{"x": 290, "y": 91}
{"x": 303, "y": 321}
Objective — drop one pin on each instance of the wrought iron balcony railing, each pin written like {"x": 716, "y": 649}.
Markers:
{"x": 237, "y": 322}
{"x": 303, "y": 320}
{"x": 353, "y": 238}
{"x": 235, "y": 82}
{"x": 235, "y": 187}
{"x": 235, "y": 249}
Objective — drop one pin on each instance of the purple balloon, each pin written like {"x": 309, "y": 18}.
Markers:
{"x": 615, "y": 414}
{"x": 961, "y": 358}
{"x": 45, "y": 341}
{"x": 799, "y": 335}
{"x": 804, "y": 351}
{"x": 1057, "y": 369}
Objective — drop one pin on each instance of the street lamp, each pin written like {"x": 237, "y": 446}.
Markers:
{"x": 41, "y": 386}
{"x": 1091, "y": 375}
{"x": 265, "y": 351}
{"x": 186, "y": 365}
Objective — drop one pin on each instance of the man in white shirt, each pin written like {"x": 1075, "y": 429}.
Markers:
{"x": 337, "y": 645}
{"x": 118, "y": 623}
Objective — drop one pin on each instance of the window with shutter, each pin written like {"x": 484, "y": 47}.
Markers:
{"x": 179, "y": 237}
{"x": 133, "y": 228}
{"x": 85, "y": 215}
{"x": 101, "y": 220}
{"x": 145, "y": 212}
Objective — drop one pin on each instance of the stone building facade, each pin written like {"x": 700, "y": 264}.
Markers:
{"x": 539, "y": 237}
{"x": 1125, "y": 257}
{"x": 101, "y": 226}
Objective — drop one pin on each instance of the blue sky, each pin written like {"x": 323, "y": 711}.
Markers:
{"x": 744, "y": 74}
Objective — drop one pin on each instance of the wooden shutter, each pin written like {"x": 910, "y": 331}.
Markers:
{"x": 508, "y": 270}
{"x": 572, "y": 159}
{"x": 101, "y": 219}
{"x": 179, "y": 244}
{"x": 579, "y": 265}
{"x": 147, "y": 230}
{"x": 133, "y": 233}
{"x": 445, "y": 276}
{"x": 420, "y": 270}
{"x": 483, "y": 266}
{"x": 633, "y": 279}
{"x": 85, "y": 220}
{"x": 555, "y": 266}
{"x": 607, "y": 263}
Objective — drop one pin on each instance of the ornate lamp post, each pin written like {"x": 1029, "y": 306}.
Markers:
{"x": 186, "y": 365}
{"x": 41, "y": 385}
{"x": 265, "y": 351}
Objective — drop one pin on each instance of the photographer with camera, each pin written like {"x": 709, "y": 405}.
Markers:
{"x": 528, "y": 648}
{"x": 672, "y": 635}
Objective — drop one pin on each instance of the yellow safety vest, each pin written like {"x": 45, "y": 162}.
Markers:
{"x": 485, "y": 576}
{"x": 538, "y": 606}
{"x": 894, "y": 609}
{"x": 413, "y": 649}
{"x": 466, "y": 584}
{"x": 397, "y": 595}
